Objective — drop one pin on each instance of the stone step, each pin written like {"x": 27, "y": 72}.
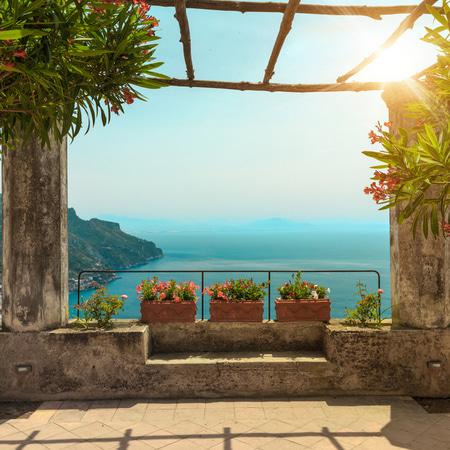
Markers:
{"x": 306, "y": 359}
{"x": 234, "y": 374}
{"x": 264, "y": 337}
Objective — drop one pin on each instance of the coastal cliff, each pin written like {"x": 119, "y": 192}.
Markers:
{"x": 100, "y": 245}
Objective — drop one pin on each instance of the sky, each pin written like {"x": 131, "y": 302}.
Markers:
{"x": 200, "y": 154}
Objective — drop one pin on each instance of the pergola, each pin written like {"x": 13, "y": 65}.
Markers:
{"x": 35, "y": 252}
{"x": 289, "y": 10}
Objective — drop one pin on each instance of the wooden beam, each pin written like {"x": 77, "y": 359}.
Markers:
{"x": 276, "y": 87}
{"x": 405, "y": 25}
{"x": 185, "y": 39}
{"x": 374, "y": 12}
{"x": 285, "y": 27}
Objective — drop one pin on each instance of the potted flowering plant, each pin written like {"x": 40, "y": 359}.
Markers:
{"x": 101, "y": 306}
{"x": 301, "y": 300}
{"x": 167, "y": 302}
{"x": 236, "y": 301}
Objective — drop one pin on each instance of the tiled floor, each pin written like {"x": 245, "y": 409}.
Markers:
{"x": 334, "y": 423}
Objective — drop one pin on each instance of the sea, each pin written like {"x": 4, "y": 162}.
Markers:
{"x": 337, "y": 257}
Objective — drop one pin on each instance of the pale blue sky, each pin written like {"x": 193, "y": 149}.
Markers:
{"x": 203, "y": 153}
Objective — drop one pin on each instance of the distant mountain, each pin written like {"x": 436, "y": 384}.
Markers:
{"x": 100, "y": 245}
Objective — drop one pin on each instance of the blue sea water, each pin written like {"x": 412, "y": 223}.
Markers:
{"x": 344, "y": 248}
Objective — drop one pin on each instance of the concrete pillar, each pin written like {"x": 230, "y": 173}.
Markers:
{"x": 34, "y": 237}
{"x": 420, "y": 275}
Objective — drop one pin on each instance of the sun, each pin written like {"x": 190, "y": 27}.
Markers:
{"x": 398, "y": 63}
{"x": 408, "y": 56}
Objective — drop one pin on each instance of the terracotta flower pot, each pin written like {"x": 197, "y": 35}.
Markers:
{"x": 303, "y": 310}
{"x": 168, "y": 311}
{"x": 249, "y": 311}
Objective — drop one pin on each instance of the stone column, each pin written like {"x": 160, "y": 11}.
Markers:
{"x": 420, "y": 268}
{"x": 34, "y": 237}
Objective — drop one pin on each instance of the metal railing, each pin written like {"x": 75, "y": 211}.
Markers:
{"x": 268, "y": 272}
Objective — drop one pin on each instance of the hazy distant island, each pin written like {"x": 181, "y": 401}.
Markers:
{"x": 101, "y": 245}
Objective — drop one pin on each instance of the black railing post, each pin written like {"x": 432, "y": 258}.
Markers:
{"x": 203, "y": 295}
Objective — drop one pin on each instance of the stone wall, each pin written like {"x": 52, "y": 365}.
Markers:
{"x": 93, "y": 364}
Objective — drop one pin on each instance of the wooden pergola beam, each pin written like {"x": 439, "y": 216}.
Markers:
{"x": 285, "y": 27}
{"x": 405, "y": 25}
{"x": 185, "y": 39}
{"x": 277, "y": 87}
{"x": 374, "y": 12}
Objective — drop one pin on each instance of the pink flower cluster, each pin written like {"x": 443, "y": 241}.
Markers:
{"x": 156, "y": 290}
{"x": 386, "y": 184}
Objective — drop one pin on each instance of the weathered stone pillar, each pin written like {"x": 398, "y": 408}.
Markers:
{"x": 420, "y": 268}
{"x": 34, "y": 237}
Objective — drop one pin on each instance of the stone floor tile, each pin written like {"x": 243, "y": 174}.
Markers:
{"x": 7, "y": 429}
{"x": 105, "y": 403}
{"x": 190, "y": 414}
{"x": 308, "y": 402}
{"x": 92, "y": 430}
{"x": 15, "y": 441}
{"x": 67, "y": 415}
{"x": 438, "y": 432}
{"x": 69, "y": 426}
{"x": 113, "y": 439}
{"x": 44, "y": 431}
{"x": 216, "y": 415}
{"x": 398, "y": 436}
{"x": 332, "y": 443}
{"x": 366, "y": 426}
{"x": 275, "y": 427}
{"x": 277, "y": 403}
{"x": 134, "y": 404}
{"x": 310, "y": 413}
{"x": 82, "y": 405}
{"x": 342, "y": 412}
{"x": 379, "y": 443}
{"x": 249, "y": 413}
{"x": 99, "y": 415}
{"x": 186, "y": 429}
{"x": 85, "y": 445}
{"x": 254, "y": 438}
{"x": 43, "y": 415}
{"x": 161, "y": 438}
{"x": 354, "y": 437}
{"x": 162, "y": 404}
{"x": 50, "y": 405}
{"x": 233, "y": 445}
{"x": 138, "y": 445}
{"x": 231, "y": 427}
{"x": 360, "y": 400}
{"x": 282, "y": 444}
{"x": 278, "y": 413}
{"x": 185, "y": 444}
{"x": 62, "y": 440}
{"x": 444, "y": 421}
{"x": 304, "y": 437}
{"x": 158, "y": 415}
{"x": 128, "y": 415}
{"x": 415, "y": 426}
{"x": 208, "y": 440}
{"x": 428, "y": 443}
{"x": 140, "y": 429}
